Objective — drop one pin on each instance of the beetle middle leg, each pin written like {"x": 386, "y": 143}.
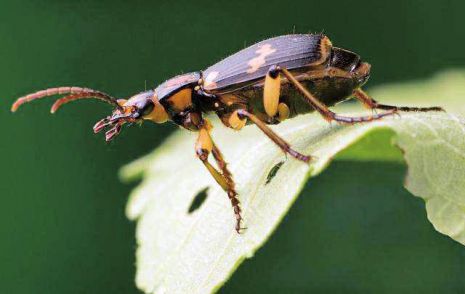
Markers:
{"x": 203, "y": 147}
{"x": 272, "y": 91}
{"x": 286, "y": 147}
{"x": 371, "y": 103}
{"x": 271, "y": 94}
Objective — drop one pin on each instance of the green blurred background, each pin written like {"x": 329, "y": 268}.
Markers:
{"x": 354, "y": 229}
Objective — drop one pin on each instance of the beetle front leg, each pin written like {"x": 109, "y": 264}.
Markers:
{"x": 232, "y": 194}
{"x": 371, "y": 103}
{"x": 324, "y": 110}
{"x": 203, "y": 147}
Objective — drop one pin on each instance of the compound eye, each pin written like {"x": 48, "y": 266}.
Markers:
{"x": 147, "y": 109}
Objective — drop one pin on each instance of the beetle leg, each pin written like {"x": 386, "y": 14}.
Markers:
{"x": 283, "y": 111}
{"x": 271, "y": 91}
{"x": 232, "y": 194}
{"x": 232, "y": 120}
{"x": 324, "y": 110}
{"x": 203, "y": 147}
{"x": 273, "y": 136}
{"x": 371, "y": 103}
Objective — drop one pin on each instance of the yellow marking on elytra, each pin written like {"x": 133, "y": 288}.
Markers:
{"x": 256, "y": 62}
{"x": 209, "y": 80}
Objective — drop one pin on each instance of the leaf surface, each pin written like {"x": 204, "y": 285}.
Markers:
{"x": 182, "y": 252}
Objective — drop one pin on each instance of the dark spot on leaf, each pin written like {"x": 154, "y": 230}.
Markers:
{"x": 198, "y": 200}
{"x": 274, "y": 170}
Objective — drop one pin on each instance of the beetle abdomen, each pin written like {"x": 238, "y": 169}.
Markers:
{"x": 252, "y": 63}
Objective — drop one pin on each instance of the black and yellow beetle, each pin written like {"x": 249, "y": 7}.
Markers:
{"x": 266, "y": 83}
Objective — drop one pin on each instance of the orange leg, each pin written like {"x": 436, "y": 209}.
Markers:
{"x": 371, "y": 103}
{"x": 203, "y": 147}
{"x": 273, "y": 136}
{"x": 324, "y": 110}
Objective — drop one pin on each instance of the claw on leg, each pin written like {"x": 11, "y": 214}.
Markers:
{"x": 371, "y": 103}
{"x": 325, "y": 111}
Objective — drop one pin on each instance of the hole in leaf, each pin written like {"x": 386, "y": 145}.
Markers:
{"x": 274, "y": 170}
{"x": 198, "y": 200}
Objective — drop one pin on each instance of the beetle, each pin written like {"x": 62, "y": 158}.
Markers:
{"x": 264, "y": 84}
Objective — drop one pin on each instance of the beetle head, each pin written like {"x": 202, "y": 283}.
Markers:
{"x": 142, "y": 106}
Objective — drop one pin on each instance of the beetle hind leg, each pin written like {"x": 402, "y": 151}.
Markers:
{"x": 325, "y": 111}
{"x": 203, "y": 147}
{"x": 371, "y": 103}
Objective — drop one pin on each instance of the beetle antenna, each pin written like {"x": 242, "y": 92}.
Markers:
{"x": 97, "y": 95}
{"x": 76, "y": 93}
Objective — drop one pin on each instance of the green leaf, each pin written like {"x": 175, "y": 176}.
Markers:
{"x": 196, "y": 252}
